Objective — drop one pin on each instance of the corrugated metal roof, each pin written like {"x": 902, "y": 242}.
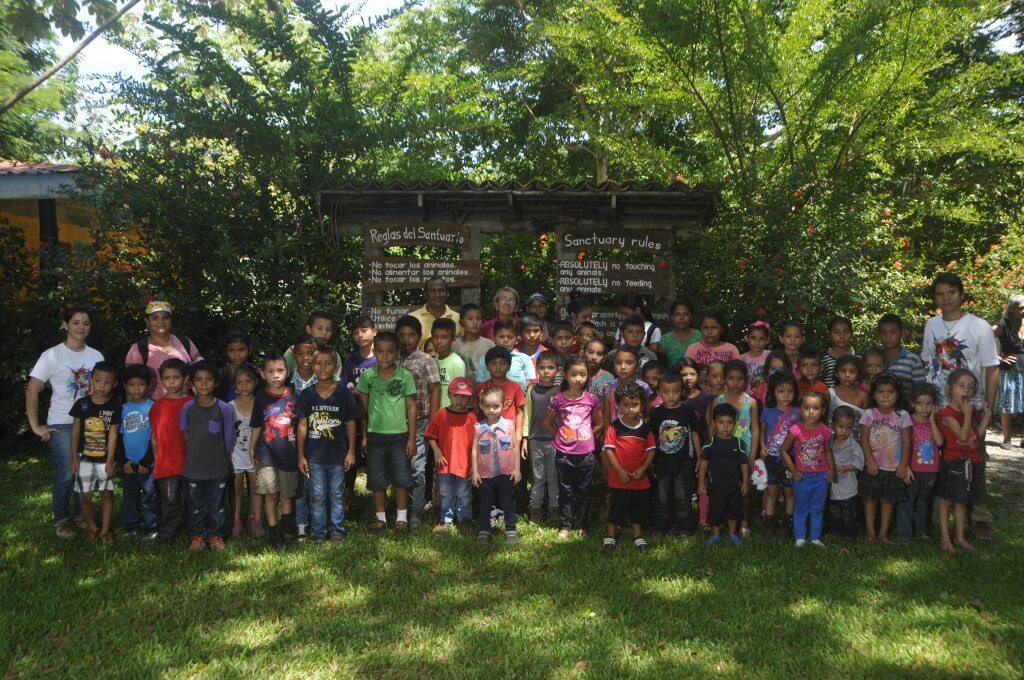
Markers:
{"x": 492, "y": 185}
{"x": 34, "y": 168}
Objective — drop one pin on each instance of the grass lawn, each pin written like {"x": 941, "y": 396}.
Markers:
{"x": 429, "y": 606}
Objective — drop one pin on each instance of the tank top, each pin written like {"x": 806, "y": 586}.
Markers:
{"x": 742, "y": 427}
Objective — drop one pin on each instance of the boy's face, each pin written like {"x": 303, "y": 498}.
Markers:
{"x": 498, "y": 368}
{"x": 204, "y": 382}
{"x": 843, "y": 427}
{"x": 324, "y": 365}
{"x": 275, "y": 372}
{"x": 506, "y": 338}
{"x": 840, "y": 336}
{"x": 810, "y": 368}
{"x": 443, "y": 340}
{"x": 538, "y": 307}
{"x": 562, "y": 340}
{"x": 321, "y": 330}
{"x": 238, "y": 353}
{"x": 304, "y": 357}
{"x": 472, "y": 320}
{"x": 625, "y": 365}
{"x": 890, "y": 335}
{"x": 594, "y": 354}
{"x": 135, "y": 389}
{"x": 363, "y": 337}
{"x": 873, "y": 366}
{"x": 735, "y": 381}
{"x": 386, "y": 353}
{"x": 531, "y": 335}
{"x": 711, "y": 330}
{"x": 546, "y": 372}
{"x": 584, "y": 335}
{"x": 460, "y": 402}
{"x": 102, "y": 383}
{"x": 629, "y": 408}
{"x": 948, "y": 298}
{"x": 408, "y": 339}
{"x": 670, "y": 392}
{"x": 633, "y": 336}
{"x": 173, "y": 380}
{"x": 724, "y": 426}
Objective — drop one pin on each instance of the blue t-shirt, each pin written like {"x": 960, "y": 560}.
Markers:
{"x": 135, "y": 432}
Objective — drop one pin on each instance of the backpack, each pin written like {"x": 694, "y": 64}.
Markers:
{"x": 190, "y": 347}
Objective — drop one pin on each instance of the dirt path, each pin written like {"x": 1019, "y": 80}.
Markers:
{"x": 1005, "y": 475}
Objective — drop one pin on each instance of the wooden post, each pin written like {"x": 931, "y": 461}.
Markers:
{"x": 376, "y": 298}
{"x": 472, "y": 252}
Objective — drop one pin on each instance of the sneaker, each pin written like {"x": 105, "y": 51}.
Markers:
{"x": 497, "y": 516}
{"x": 236, "y": 530}
{"x": 484, "y": 537}
{"x": 274, "y": 535}
{"x": 337, "y": 537}
{"x": 303, "y": 532}
{"x": 904, "y": 542}
{"x": 197, "y": 544}
{"x": 216, "y": 543}
{"x": 736, "y": 540}
{"x": 511, "y": 538}
{"x": 256, "y": 527}
{"x": 640, "y": 544}
{"x": 715, "y": 538}
{"x": 443, "y": 527}
{"x": 924, "y": 536}
{"x": 820, "y": 543}
{"x": 80, "y": 522}
{"x": 415, "y": 521}
{"x": 319, "y": 539}
{"x": 377, "y": 526}
{"x": 608, "y": 546}
{"x": 800, "y": 542}
{"x": 683, "y": 535}
{"x": 745, "y": 534}
{"x": 146, "y": 538}
{"x": 1005, "y": 445}
{"x": 657, "y": 536}
{"x": 401, "y": 528}
{"x": 64, "y": 531}
{"x": 129, "y": 534}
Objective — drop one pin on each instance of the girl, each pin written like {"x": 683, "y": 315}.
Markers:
{"x": 575, "y": 421}
{"x": 924, "y": 463}
{"x": 748, "y": 425}
{"x": 674, "y": 344}
{"x": 625, "y": 365}
{"x": 885, "y": 436}
{"x": 1011, "y": 366}
{"x": 964, "y": 429}
{"x": 246, "y": 380}
{"x": 583, "y": 333}
{"x": 711, "y": 346}
{"x": 778, "y": 416}
{"x": 792, "y": 337}
{"x": 238, "y": 350}
{"x": 594, "y": 353}
{"x": 849, "y": 371}
{"x": 633, "y": 304}
{"x": 715, "y": 374}
{"x": 874, "y": 365}
{"x": 692, "y": 394}
{"x": 495, "y": 465}
{"x": 809, "y": 459}
{"x": 755, "y": 357}
{"x": 778, "y": 361}
{"x": 579, "y": 309}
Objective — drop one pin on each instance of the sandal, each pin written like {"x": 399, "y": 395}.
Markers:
{"x": 377, "y": 526}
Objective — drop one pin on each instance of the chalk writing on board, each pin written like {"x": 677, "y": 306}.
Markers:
{"x": 613, "y": 276}
{"x": 416, "y": 234}
{"x": 399, "y": 273}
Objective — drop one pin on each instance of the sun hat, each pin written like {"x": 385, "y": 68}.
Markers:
{"x": 158, "y": 306}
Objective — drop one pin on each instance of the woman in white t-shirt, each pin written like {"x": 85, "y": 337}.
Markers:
{"x": 66, "y": 368}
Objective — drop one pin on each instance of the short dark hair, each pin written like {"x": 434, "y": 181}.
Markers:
{"x": 948, "y": 278}
{"x": 623, "y": 349}
{"x": 232, "y": 337}
{"x": 174, "y": 364}
{"x": 320, "y": 314}
{"x": 548, "y": 355}
{"x": 564, "y": 325}
{"x": 132, "y": 371}
{"x": 628, "y": 390}
{"x": 105, "y": 367}
{"x": 385, "y": 336}
{"x": 737, "y": 366}
{"x": 409, "y": 321}
{"x": 633, "y": 320}
{"x": 837, "y": 320}
{"x": 273, "y": 355}
{"x": 443, "y": 325}
{"x": 889, "y": 318}
{"x": 304, "y": 339}
{"x": 325, "y": 348}
{"x": 469, "y": 307}
{"x": 652, "y": 365}
{"x": 201, "y": 366}
{"x": 844, "y": 411}
{"x": 498, "y": 353}
{"x": 808, "y": 353}
{"x": 528, "y": 321}
{"x": 504, "y": 325}
{"x": 433, "y": 279}
{"x": 76, "y": 309}
{"x": 724, "y": 409}
{"x": 670, "y": 378}
{"x": 362, "y": 321}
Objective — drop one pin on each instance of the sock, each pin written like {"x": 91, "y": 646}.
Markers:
{"x": 403, "y": 516}
{"x": 381, "y": 516}
{"x": 609, "y": 540}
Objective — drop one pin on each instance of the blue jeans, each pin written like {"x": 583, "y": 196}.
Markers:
{"x": 141, "y": 507}
{"x": 914, "y": 510}
{"x": 207, "y": 514}
{"x": 301, "y": 505}
{"x": 327, "y": 487}
{"x": 497, "y": 491}
{"x": 418, "y": 467}
{"x": 811, "y": 493}
{"x": 456, "y": 498}
{"x": 63, "y": 480}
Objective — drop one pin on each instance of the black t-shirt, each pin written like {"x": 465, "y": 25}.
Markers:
{"x": 96, "y": 421}
{"x": 206, "y": 452}
{"x": 724, "y": 457}
{"x": 275, "y": 416}
{"x": 673, "y": 429}
{"x": 326, "y": 441}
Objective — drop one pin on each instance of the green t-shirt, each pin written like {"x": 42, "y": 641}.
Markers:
{"x": 675, "y": 349}
{"x": 450, "y": 368}
{"x": 386, "y": 400}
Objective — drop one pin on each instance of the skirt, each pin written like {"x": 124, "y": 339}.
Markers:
{"x": 1011, "y": 392}
{"x": 885, "y": 486}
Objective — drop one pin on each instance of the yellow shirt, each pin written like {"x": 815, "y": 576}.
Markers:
{"x": 427, "y": 320}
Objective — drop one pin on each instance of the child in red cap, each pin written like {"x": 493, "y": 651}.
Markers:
{"x": 450, "y": 434}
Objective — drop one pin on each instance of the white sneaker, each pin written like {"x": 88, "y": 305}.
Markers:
{"x": 1006, "y": 445}
{"x": 818, "y": 543}
{"x": 800, "y": 542}
{"x": 303, "y": 532}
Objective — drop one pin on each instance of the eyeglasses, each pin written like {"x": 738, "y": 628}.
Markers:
{"x": 507, "y": 301}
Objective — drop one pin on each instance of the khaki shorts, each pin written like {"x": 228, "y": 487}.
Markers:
{"x": 270, "y": 480}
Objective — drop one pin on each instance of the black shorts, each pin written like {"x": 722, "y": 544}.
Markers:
{"x": 955, "y": 481}
{"x": 724, "y": 504}
{"x": 632, "y": 502}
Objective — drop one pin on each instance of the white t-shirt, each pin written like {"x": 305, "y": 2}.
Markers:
{"x": 68, "y": 373}
{"x": 473, "y": 351}
{"x": 966, "y": 343}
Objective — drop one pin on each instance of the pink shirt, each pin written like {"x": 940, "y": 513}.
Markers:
{"x": 757, "y": 385}
{"x": 810, "y": 447}
{"x": 885, "y": 435}
{"x": 157, "y": 356}
{"x": 926, "y": 453}
{"x": 574, "y": 427}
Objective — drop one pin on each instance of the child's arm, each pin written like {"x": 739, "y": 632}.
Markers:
{"x": 831, "y": 474}
{"x": 350, "y": 432}
{"x": 76, "y": 434}
{"x": 755, "y": 431}
{"x": 702, "y": 484}
{"x": 745, "y": 476}
{"x": 410, "y": 416}
{"x": 439, "y": 459}
{"x": 962, "y": 431}
{"x": 936, "y": 430}
{"x": 549, "y": 423}
{"x": 865, "y": 445}
{"x": 253, "y": 440}
{"x": 903, "y": 469}
{"x": 435, "y": 399}
{"x": 126, "y": 465}
{"x": 788, "y": 460}
{"x": 597, "y": 422}
{"x": 609, "y": 457}
{"x": 695, "y": 438}
{"x": 300, "y": 439}
{"x": 476, "y": 462}
{"x": 111, "y": 433}
{"x": 364, "y": 405}
{"x": 518, "y": 438}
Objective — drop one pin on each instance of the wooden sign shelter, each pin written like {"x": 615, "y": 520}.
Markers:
{"x": 628, "y": 216}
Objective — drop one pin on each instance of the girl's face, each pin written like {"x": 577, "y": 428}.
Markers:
{"x": 716, "y": 378}
{"x": 78, "y": 326}
{"x": 775, "y": 364}
{"x": 652, "y": 377}
{"x": 962, "y": 389}
{"x": 629, "y": 311}
{"x": 848, "y": 375}
{"x": 682, "y": 317}
{"x": 238, "y": 353}
{"x": 784, "y": 395}
{"x": 577, "y": 377}
{"x": 840, "y": 336}
{"x": 690, "y": 378}
{"x": 244, "y": 384}
{"x": 594, "y": 354}
{"x": 736, "y": 382}
{"x": 885, "y": 397}
{"x": 711, "y": 330}
{"x": 792, "y": 338}
{"x": 491, "y": 406}
{"x": 873, "y": 365}
{"x": 581, "y": 316}
{"x": 625, "y": 366}
{"x": 811, "y": 410}
{"x": 757, "y": 340}
{"x": 924, "y": 406}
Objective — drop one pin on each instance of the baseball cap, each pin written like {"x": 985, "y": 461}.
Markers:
{"x": 461, "y": 386}
{"x": 158, "y": 306}
{"x": 537, "y": 296}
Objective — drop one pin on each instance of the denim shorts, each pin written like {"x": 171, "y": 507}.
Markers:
{"x": 386, "y": 462}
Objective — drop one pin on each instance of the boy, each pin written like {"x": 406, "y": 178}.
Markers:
{"x": 628, "y": 452}
{"x": 583, "y": 334}
{"x": 326, "y": 445}
{"x": 92, "y": 460}
{"x": 320, "y": 325}
{"x": 594, "y": 352}
{"x": 449, "y": 364}
{"x": 207, "y": 425}
{"x": 496, "y": 362}
{"x": 537, "y": 304}
{"x": 363, "y": 333}
{"x": 651, "y": 374}
{"x": 272, "y": 449}
{"x": 561, "y": 341}
{"x": 387, "y": 394}
{"x": 472, "y": 345}
{"x": 674, "y": 425}
{"x": 840, "y": 335}
{"x": 238, "y": 348}
{"x": 724, "y": 474}
{"x": 530, "y": 330}
{"x": 899, "y": 361}
{"x": 538, "y": 445}
{"x": 450, "y": 434}
{"x": 302, "y": 377}
{"x": 132, "y": 442}
{"x": 520, "y": 368}
{"x": 427, "y": 378}
{"x": 169, "y": 445}
{"x": 809, "y": 365}
{"x": 848, "y": 457}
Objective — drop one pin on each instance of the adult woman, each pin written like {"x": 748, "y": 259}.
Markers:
{"x": 1010, "y": 399}
{"x": 67, "y": 368}
{"x": 160, "y": 345}
{"x": 506, "y": 302}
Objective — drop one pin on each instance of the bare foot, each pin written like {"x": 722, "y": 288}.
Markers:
{"x": 947, "y": 546}
{"x": 107, "y": 537}
{"x": 870, "y": 540}
{"x": 90, "y": 535}
{"x": 884, "y": 540}
{"x": 964, "y": 544}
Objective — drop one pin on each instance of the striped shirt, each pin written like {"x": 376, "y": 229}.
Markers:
{"x": 847, "y": 453}
{"x": 908, "y": 368}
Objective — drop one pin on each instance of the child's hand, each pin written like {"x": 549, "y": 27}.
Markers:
{"x": 524, "y": 449}
{"x": 871, "y": 467}
{"x": 830, "y": 476}
{"x": 440, "y": 460}
{"x": 127, "y": 468}
{"x": 905, "y": 473}
{"x": 304, "y": 466}
{"x": 516, "y": 475}
{"x": 702, "y": 489}
{"x": 143, "y": 470}
{"x": 797, "y": 475}
{"x": 623, "y": 476}
{"x": 350, "y": 459}
{"x": 74, "y": 464}
{"x": 745, "y": 487}
{"x": 637, "y": 474}
{"x": 410, "y": 449}
{"x": 109, "y": 468}
{"x": 476, "y": 479}
{"x": 252, "y": 461}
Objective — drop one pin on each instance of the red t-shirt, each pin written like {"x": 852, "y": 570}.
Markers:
{"x": 802, "y": 386}
{"x": 630, "y": 447}
{"x": 165, "y": 423}
{"x": 514, "y": 397}
{"x": 953, "y": 449}
{"x": 454, "y": 434}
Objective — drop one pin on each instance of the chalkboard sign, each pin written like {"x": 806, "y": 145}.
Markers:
{"x": 403, "y": 273}
{"x": 575, "y": 239}
{"x": 597, "y": 277}
{"x": 607, "y": 320}
{"x": 416, "y": 234}
{"x": 384, "y": 318}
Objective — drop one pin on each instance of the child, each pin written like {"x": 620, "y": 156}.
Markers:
{"x": 724, "y": 474}
{"x": 715, "y": 375}
{"x": 238, "y": 349}
{"x": 320, "y": 325}
{"x": 363, "y": 333}
{"x": 451, "y": 433}
{"x": 780, "y": 413}
{"x": 583, "y": 334}
{"x": 387, "y": 394}
{"x": 632, "y": 305}
{"x": 246, "y": 380}
{"x": 792, "y": 337}
{"x": 497, "y": 362}
{"x": 809, "y": 459}
{"x": 711, "y": 347}
{"x": 809, "y": 366}
{"x": 472, "y": 345}
{"x": 530, "y": 330}
{"x": 561, "y": 340}
{"x": 428, "y": 346}
{"x": 449, "y": 364}
{"x": 631, "y": 334}
{"x": 748, "y": 424}
{"x": 849, "y": 370}
{"x": 495, "y": 465}
{"x": 209, "y": 437}
{"x": 840, "y": 335}
{"x": 628, "y": 452}
{"x": 847, "y": 461}
{"x": 537, "y": 304}
{"x": 326, "y": 440}
{"x": 579, "y": 308}
{"x": 538, "y": 445}
{"x": 924, "y": 463}
{"x": 93, "y": 460}
{"x": 169, "y": 445}
{"x": 674, "y": 425}
{"x": 520, "y": 369}
{"x": 693, "y": 396}
{"x": 754, "y": 358}
{"x": 963, "y": 428}
{"x": 594, "y": 353}
{"x": 575, "y": 421}
{"x": 874, "y": 365}
{"x": 272, "y": 449}
{"x": 885, "y": 436}
{"x": 897, "y": 359}
{"x": 303, "y": 350}
{"x": 675, "y": 343}
{"x": 132, "y": 441}
{"x": 626, "y": 361}
{"x": 651, "y": 374}
{"x": 777, "y": 361}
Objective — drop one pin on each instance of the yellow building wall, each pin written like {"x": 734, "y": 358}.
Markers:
{"x": 73, "y": 219}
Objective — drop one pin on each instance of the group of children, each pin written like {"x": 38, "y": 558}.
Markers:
{"x": 678, "y": 427}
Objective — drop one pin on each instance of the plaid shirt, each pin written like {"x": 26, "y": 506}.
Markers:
{"x": 425, "y": 373}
